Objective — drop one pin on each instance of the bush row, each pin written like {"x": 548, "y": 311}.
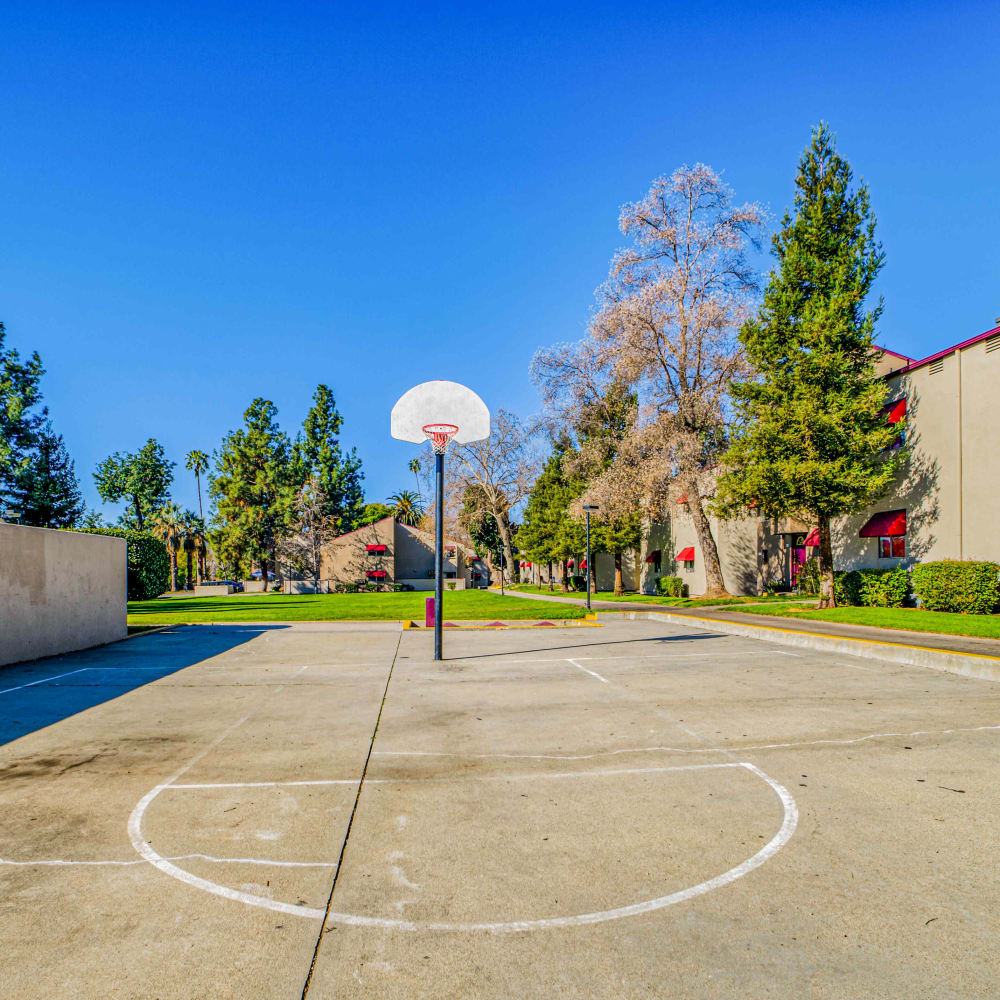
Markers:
{"x": 148, "y": 562}
{"x": 372, "y": 588}
{"x": 965, "y": 587}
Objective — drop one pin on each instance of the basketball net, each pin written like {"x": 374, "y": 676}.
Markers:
{"x": 439, "y": 436}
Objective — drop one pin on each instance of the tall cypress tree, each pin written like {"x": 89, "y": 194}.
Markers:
{"x": 811, "y": 438}
{"x": 254, "y": 485}
{"x": 320, "y": 457}
{"x": 19, "y": 393}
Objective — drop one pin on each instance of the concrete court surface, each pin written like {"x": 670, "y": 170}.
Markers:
{"x": 636, "y": 810}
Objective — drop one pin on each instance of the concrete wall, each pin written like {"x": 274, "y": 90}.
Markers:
{"x": 59, "y": 591}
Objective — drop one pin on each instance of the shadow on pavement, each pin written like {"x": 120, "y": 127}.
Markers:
{"x": 37, "y": 694}
{"x": 617, "y": 642}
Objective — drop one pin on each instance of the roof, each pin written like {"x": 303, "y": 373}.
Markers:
{"x": 985, "y": 335}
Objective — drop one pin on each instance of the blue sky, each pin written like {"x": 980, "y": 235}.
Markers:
{"x": 200, "y": 204}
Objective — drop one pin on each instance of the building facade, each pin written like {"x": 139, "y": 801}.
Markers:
{"x": 387, "y": 552}
{"x": 944, "y": 503}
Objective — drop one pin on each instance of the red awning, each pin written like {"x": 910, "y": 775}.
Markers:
{"x": 686, "y": 555}
{"x": 570, "y": 563}
{"x": 653, "y": 556}
{"x": 813, "y": 538}
{"x": 377, "y": 574}
{"x": 891, "y": 523}
{"x": 894, "y": 412}
{"x": 583, "y": 565}
{"x": 375, "y": 548}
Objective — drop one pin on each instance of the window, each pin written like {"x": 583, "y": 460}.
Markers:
{"x": 891, "y": 547}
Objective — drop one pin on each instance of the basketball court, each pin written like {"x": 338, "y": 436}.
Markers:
{"x": 635, "y": 810}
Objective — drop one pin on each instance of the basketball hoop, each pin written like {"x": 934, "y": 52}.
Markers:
{"x": 440, "y": 435}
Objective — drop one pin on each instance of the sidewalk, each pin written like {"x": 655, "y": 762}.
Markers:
{"x": 967, "y": 655}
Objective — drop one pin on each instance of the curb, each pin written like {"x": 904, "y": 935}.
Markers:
{"x": 981, "y": 667}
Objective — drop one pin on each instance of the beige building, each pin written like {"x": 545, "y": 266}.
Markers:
{"x": 945, "y": 503}
{"x": 386, "y": 553}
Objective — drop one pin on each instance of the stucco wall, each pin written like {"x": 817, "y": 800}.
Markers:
{"x": 59, "y": 591}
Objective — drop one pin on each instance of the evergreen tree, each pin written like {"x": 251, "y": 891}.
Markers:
{"x": 548, "y": 533}
{"x": 19, "y": 392}
{"x": 319, "y": 456}
{"x": 254, "y": 487}
{"x": 142, "y": 479}
{"x": 44, "y": 487}
{"x": 811, "y": 439}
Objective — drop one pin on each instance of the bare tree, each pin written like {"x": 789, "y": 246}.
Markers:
{"x": 503, "y": 468}
{"x": 666, "y": 326}
{"x": 302, "y": 550}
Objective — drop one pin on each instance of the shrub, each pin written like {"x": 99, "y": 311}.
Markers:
{"x": 349, "y": 588}
{"x": 809, "y": 577}
{"x": 398, "y": 588}
{"x": 450, "y": 585}
{"x": 147, "y": 560}
{"x": 671, "y": 586}
{"x": 872, "y": 588}
{"x": 578, "y": 583}
{"x": 971, "y": 588}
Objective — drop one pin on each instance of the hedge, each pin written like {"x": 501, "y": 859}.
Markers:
{"x": 971, "y": 588}
{"x": 671, "y": 586}
{"x": 872, "y": 588}
{"x": 147, "y": 559}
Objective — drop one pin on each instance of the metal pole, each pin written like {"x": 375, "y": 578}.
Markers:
{"x": 501, "y": 567}
{"x": 438, "y": 551}
{"x": 588, "y": 560}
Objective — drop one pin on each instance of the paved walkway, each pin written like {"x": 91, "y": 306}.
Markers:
{"x": 927, "y": 640}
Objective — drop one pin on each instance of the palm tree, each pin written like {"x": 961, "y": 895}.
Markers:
{"x": 407, "y": 508}
{"x": 168, "y": 525}
{"x": 193, "y": 540}
{"x": 197, "y": 462}
{"x": 415, "y": 468}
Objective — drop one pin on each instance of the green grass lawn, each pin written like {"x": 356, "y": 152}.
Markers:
{"x": 460, "y": 604}
{"x": 670, "y": 602}
{"x": 984, "y": 626}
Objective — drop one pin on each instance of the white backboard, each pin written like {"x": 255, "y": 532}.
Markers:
{"x": 439, "y": 402}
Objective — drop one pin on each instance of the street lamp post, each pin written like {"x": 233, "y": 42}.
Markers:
{"x": 501, "y": 569}
{"x": 588, "y": 508}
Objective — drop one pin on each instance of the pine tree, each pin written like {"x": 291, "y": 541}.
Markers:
{"x": 44, "y": 487}
{"x": 19, "y": 392}
{"x": 338, "y": 477}
{"x": 548, "y": 534}
{"x": 254, "y": 485}
{"x": 811, "y": 439}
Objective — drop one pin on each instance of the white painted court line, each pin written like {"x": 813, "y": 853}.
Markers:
{"x": 261, "y": 784}
{"x": 55, "y": 677}
{"x": 784, "y": 834}
{"x": 665, "y": 749}
{"x": 61, "y": 863}
{"x": 145, "y": 850}
{"x": 578, "y": 666}
{"x": 45, "y": 680}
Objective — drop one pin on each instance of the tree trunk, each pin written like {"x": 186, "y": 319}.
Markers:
{"x": 619, "y": 588}
{"x": 715, "y": 585}
{"x": 189, "y": 582}
{"x": 263, "y": 571}
{"x": 565, "y": 577}
{"x": 201, "y": 510}
{"x": 827, "y": 597}
{"x": 138, "y": 513}
{"x": 173, "y": 568}
{"x": 552, "y": 580}
{"x": 508, "y": 553}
